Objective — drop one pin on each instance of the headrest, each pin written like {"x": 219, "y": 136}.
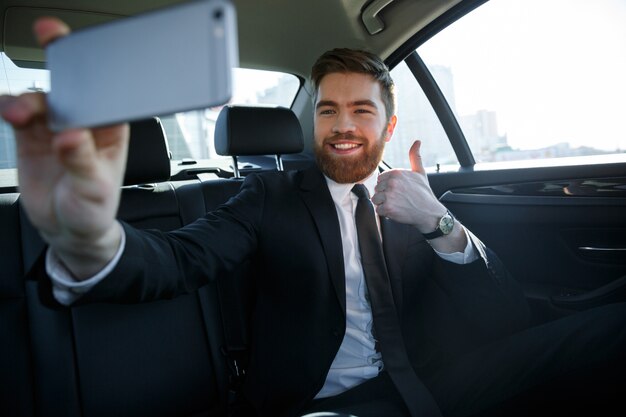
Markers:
{"x": 148, "y": 155}
{"x": 244, "y": 130}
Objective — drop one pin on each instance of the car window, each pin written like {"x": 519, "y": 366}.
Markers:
{"x": 417, "y": 120}
{"x": 531, "y": 79}
{"x": 190, "y": 134}
{"x": 13, "y": 81}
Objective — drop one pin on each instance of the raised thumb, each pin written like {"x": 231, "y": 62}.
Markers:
{"x": 416, "y": 158}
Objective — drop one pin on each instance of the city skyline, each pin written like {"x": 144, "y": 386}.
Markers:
{"x": 547, "y": 85}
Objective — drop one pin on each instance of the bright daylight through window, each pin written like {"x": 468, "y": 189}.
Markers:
{"x": 527, "y": 80}
{"x": 15, "y": 80}
{"x": 190, "y": 135}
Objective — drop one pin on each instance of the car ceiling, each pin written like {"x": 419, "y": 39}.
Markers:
{"x": 285, "y": 35}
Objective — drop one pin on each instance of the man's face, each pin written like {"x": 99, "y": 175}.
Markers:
{"x": 350, "y": 126}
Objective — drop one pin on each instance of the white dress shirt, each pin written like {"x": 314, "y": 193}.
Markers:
{"x": 357, "y": 359}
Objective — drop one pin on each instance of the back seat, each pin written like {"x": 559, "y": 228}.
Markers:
{"x": 16, "y": 364}
{"x": 158, "y": 359}
{"x": 245, "y": 131}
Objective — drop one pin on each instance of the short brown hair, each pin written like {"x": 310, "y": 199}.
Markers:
{"x": 344, "y": 60}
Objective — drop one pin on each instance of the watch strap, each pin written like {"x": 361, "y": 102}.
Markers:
{"x": 438, "y": 232}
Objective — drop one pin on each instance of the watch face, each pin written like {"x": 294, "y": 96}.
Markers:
{"x": 446, "y": 224}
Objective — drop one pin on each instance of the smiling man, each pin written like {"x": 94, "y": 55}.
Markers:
{"x": 352, "y": 125}
{"x": 423, "y": 325}
{"x": 354, "y": 103}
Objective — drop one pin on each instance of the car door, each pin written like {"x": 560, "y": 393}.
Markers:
{"x": 518, "y": 106}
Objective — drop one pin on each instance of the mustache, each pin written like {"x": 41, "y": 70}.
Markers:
{"x": 343, "y": 136}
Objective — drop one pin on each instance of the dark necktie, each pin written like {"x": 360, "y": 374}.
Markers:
{"x": 386, "y": 326}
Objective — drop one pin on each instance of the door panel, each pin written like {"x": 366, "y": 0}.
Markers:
{"x": 561, "y": 231}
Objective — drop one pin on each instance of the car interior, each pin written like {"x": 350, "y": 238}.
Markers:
{"x": 559, "y": 228}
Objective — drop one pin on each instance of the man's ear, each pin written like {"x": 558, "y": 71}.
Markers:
{"x": 391, "y": 125}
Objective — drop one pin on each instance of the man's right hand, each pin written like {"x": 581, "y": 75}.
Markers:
{"x": 69, "y": 181}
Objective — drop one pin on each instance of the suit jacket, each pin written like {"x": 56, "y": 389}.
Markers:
{"x": 288, "y": 223}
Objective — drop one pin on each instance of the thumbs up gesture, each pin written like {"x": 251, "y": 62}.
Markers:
{"x": 405, "y": 196}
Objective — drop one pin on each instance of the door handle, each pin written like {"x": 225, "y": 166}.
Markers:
{"x": 614, "y": 291}
{"x": 603, "y": 254}
{"x": 595, "y": 249}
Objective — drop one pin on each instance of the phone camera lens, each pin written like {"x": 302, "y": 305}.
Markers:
{"x": 218, "y": 14}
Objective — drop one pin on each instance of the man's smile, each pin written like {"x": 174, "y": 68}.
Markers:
{"x": 345, "y": 145}
{"x": 344, "y": 148}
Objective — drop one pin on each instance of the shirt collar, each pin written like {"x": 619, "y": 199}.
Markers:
{"x": 339, "y": 192}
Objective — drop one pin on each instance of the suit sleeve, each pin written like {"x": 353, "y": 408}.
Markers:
{"x": 485, "y": 293}
{"x": 160, "y": 265}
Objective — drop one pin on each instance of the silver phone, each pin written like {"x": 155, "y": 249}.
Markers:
{"x": 157, "y": 63}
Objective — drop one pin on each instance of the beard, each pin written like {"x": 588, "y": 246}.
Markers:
{"x": 347, "y": 169}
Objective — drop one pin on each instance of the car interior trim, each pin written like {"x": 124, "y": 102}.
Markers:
{"x": 430, "y": 30}
{"x": 373, "y": 23}
{"x": 585, "y": 187}
{"x": 456, "y": 197}
{"x": 442, "y": 109}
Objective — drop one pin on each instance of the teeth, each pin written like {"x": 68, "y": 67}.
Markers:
{"x": 344, "y": 146}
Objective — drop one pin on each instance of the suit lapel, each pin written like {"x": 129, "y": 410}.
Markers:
{"x": 318, "y": 200}
{"x": 395, "y": 240}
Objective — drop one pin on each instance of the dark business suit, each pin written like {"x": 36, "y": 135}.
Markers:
{"x": 287, "y": 222}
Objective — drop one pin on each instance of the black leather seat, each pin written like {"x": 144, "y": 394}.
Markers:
{"x": 16, "y": 361}
{"x": 250, "y": 131}
{"x": 154, "y": 359}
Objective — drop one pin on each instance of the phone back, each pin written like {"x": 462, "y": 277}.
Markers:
{"x": 153, "y": 64}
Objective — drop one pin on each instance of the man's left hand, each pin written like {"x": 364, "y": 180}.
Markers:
{"x": 405, "y": 196}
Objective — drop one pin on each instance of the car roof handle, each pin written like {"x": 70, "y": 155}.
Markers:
{"x": 372, "y": 22}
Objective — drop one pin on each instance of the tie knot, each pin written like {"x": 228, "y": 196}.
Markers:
{"x": 361, "y": 191}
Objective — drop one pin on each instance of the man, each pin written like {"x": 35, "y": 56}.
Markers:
{"x": 457, "y": 308}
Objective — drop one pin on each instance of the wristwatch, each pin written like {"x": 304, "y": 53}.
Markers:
{"x": 444, "y": 227}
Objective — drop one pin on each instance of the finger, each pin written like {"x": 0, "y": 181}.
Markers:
{"x": 380, "y": 186}
{"x": 381, "y": 210}
{"x": 383, "y": 180}
{"x": 48, "y": 29}
{"x": 111, "y": 136}
{"x": 111, "y": 130}
{"x": 416, "y": 158}
{"x": 20, "y": 111}
{"x": 77, "y": 151}
{"x": 378, "y": 198}
{"x": 6, "y": 101}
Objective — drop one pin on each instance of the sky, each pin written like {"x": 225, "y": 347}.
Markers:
{"x": 553, "y": 70}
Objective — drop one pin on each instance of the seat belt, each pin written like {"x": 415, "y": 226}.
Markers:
{"x": 236, "y": 344}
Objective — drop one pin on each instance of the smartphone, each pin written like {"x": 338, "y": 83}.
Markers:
{"x": 171, "y": 60}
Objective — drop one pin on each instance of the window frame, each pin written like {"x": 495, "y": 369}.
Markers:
{"x": 408, "y": 53}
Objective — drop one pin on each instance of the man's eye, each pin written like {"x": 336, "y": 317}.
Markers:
{"x": 327, "y": 111}
{"x": 362, "y": 111}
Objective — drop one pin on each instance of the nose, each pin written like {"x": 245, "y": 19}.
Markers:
{"x": 343, "y": 123}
